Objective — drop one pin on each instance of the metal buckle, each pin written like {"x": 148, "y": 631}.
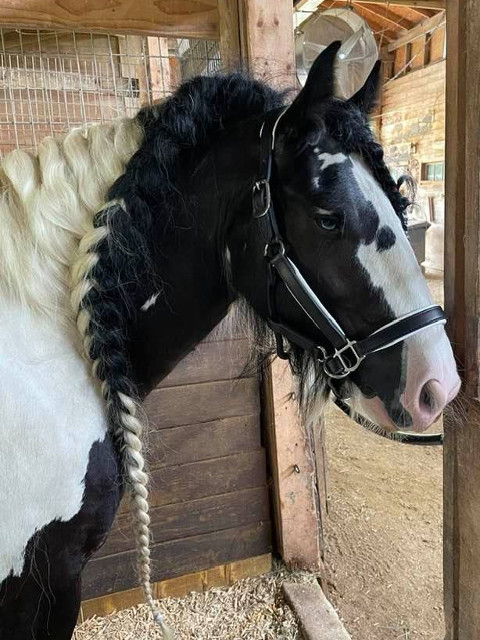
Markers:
{"x": 275, "y": 244}
{"x": 261, "y": 197}
{"x": 347, "y": 365}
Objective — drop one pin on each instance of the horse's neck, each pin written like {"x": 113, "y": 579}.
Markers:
{"x": 192, "y": 264}
{"x": 174, "y": 319}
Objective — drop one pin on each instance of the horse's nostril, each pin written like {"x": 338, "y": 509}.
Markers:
{"x": 427, "y": 400}
{"x": 432, "y": 398}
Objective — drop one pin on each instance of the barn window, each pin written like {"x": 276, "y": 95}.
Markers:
{"x": 433, "y": 171}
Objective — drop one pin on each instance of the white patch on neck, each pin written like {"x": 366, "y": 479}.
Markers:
{"x": 395, "y": 271}
{"x": 51, "y": 414}
{"x": 331, "y": 158}
{"x": 150, "y": 302}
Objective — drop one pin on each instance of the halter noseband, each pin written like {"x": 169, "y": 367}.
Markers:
{"x": 339, "y": 355}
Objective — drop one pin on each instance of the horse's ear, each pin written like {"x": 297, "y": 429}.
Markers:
{"x": 320, "y": 82}
{"x": 366, "y": 97}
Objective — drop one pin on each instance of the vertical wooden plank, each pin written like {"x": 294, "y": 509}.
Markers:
{"x": 230, "y": 40}
{"x": 462, "y": 277}
{"x": 163, "y": 80}
{"x": 267, "y": 46}
{"x": 293, "y": 466}
{"x": 269, "y": 43}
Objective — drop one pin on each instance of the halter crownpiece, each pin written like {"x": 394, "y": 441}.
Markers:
{"x": 339, "y": 355}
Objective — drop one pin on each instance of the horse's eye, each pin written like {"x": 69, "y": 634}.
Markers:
{"x": 328, "y": 223}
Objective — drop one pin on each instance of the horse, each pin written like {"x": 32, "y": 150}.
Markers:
{"x": 124, "y": 245}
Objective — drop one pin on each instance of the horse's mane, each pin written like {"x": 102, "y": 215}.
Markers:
{"x": 47, "y": 202}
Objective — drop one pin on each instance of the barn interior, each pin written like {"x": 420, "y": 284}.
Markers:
{"x": 369, "y": 511}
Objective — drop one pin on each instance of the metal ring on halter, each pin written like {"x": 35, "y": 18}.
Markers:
{"x": 276, "y": 243}
{"x": 321, "y": 354}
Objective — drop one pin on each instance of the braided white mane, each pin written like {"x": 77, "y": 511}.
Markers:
{"x": 47, "y": 203}
{"x": 47, "y": 207}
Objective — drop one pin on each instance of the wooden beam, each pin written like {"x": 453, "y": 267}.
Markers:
{"x": 381, "y": 14}
{"x": 182, "y": 18}
{"x": 462, "y": 297}
{"x": 293, "y": 463}
{"x": 230, "y": 37}
{"x": 423, "y": 13}
{"x": 376, "y": 25}
{"x": 387, "y": 16}
{"x": 268, "y": 45}
{"x": 419, "y": 31}
{"x": 421, "y": 4}
{"x": 311, "y": 5}
{"x": 317, "y": 618}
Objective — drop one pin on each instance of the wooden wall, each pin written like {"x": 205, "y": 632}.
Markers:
{"x": 412, "y": 128}
{"x": 413, "y": 118}
{"x": 209, "y": 494}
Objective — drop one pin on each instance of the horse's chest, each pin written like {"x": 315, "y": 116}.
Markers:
{"x": 50, "y": 415}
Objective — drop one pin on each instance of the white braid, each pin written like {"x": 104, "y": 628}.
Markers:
{"x": 131, "y": 425}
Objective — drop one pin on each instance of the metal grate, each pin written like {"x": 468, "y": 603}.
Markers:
{"x": 51, "y": 81}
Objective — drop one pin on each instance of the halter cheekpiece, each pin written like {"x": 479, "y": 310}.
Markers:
{"x": 339, "y": 355}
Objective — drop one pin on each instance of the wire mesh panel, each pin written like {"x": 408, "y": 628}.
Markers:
{"x": 51, "y": 81}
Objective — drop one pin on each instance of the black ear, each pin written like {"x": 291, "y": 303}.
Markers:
{"x": 366, "y": 97}
{"x": 320, "y": 82}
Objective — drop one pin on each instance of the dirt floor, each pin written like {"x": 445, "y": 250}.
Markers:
{"x": 384, "y": 534}
{"x": 383, "y": 555}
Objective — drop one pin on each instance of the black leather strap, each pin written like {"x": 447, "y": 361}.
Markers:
{"x": 397, "y": 331}
{"x": 425, "y": 439}
{"x": 330, "y": 330}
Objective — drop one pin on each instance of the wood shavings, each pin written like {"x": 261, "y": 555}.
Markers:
{"x": 252, "y": 609}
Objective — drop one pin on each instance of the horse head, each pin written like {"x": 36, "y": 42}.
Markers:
{"x": 324, "y": 198}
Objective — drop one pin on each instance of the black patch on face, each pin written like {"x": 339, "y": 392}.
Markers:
{"x": 370, "y": 222}
{"x": 385, "y": 238}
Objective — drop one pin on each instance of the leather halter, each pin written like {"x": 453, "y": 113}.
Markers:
{"x": 339, "y": 355}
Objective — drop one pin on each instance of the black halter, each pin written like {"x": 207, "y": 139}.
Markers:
{"x": 339, "y": 355}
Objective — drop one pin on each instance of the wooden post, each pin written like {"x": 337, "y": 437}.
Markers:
{"x": 462, "y": 276}
{"x": 268, "y": 40}
{"x": 164, "y": 71}
{"x": 264, "y": 43}
{"x": 230, "y": 37}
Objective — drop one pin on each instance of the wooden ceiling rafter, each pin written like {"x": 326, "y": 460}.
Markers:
{"x": 389, "y": 19}
{"x": 386, "y": 15}
{"x": 438, "y": 5}
{"x": 380, "y": 29}
{"x": 427, "y": 26}
{"x": 424, "y": 13}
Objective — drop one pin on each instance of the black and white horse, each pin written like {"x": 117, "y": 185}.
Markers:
{"x": 130, "y": 242}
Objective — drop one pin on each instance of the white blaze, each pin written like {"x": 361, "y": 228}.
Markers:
{"x": 396, "y": 272}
